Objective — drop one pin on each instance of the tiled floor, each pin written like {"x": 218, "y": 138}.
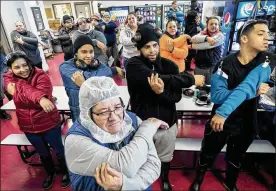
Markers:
{"x": 16, "y": 175}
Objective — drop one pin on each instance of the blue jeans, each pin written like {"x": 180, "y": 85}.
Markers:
{"x": 52, "y": 137}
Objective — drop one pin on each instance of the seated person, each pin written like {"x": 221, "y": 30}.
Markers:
{"x": 106, "y": 133}
{"x": 83, "y": 66}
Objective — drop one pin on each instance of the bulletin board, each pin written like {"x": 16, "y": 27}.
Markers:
{"x": 62, "y": 9}
{"x": 49, "y": 13}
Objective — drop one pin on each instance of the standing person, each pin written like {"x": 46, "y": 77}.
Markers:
{"x": 27, "y": 42}
{"x": 3, "y": 69}
{"x": 126, "y": 34}
{"x": 110, "y": 31}
{"x": 95, "y": 22}
{"x": 233, "y": 118}
{"x": 37, "y": 114}
{"x": 176, "y": 15}
{"x": 65, "y": 36}
{"x": 97, "y": 37}
{"x": 192, "y": 27}
{"x": 107, "y": 137}
{"x": 208, "y": 44}
{"x": 173, "y": 46}
{"x": 155, "y": 85}
{"x": 84, "y": 65}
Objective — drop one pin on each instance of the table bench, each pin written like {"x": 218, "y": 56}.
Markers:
{"x": 20, "y": 140}
{"x": 194, "y": 145}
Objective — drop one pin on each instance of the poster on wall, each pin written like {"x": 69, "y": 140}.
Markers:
{"x": 38, "y": 18}
{"x": 62, "y": 9}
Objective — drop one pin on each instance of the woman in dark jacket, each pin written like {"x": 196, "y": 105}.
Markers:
{"x": 37, "y": 114}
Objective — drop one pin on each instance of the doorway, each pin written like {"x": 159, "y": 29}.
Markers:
{"x": 4, "y": 38}
{"x": 83, "y": 9}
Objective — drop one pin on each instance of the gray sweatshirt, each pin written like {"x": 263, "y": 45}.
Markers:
{"x": 199, "y": 42}
{"x": 30, "y": 46}
{"x": 138, "y": 161}
{"x": 95, "y": 36}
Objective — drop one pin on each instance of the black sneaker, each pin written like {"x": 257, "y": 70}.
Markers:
{"x": 48, "y": 182}
{"x": 4, "y": 115}
{"x": 65, "y": 181}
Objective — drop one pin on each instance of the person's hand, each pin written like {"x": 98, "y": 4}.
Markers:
{"x": 263, "y": 89}
{"x": 46, "y": 104}
{"x": 121, "y": 72}
{"x": 189, "y": 46}
{"x": 217, "y": 123}
{"x": 211, "y": 40}
{"x": 188, "y": 37}
{"x": 174, "y": 15}
{"x": 159, "y": 124}
{"x": 55, "y": 38}
{"x": 108, "y": 178}
{"x": 103, "y": 27}
{"x": 78, "y": 78}
{"x": 156, "y": 84}
{"x": 11, "y": 88}
{"x": 170, "y": 45}
{"x": 18, "y": 39}
{"x": 101, "y": 46}
{"x": 44, "y": 45}
{"x": 199, "y": 80}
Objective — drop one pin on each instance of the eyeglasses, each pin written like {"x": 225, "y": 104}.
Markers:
{"x": 68, "y": 21}
{"x": 105, "y": 115}
{"x": 246, "y": 24}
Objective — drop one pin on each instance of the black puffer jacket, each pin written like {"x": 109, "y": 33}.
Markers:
{"x": 191, "y": 27}
{"x": 146, "y": 103}
{"x": 66, "y": 41}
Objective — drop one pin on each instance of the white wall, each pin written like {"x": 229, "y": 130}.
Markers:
{"x": 48, "y": 4}
{"x": 10, "y": 15}
{"x": 208, "y": 8}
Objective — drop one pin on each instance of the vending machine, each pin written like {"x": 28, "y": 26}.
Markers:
{"x": 120, "y": 12}
{"x": 237, "y": 13}
{"x": 152, "y": 14}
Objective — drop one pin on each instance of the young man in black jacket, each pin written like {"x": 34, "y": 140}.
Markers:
{"x": 155, "y": 85}
{"x": 65, "y": 36}
{"x": 236, "y": 130}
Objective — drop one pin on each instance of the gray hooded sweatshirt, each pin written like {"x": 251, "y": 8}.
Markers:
{"x": 95, "y": 36}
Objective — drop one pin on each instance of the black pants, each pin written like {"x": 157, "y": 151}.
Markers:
{"x": 39, "y": 65}
{"x": 213, "y": 142}
{"x": 191, "y": 55}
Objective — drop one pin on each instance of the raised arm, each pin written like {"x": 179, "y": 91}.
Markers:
{"x": 83, "y": 155}
{"x": 146, "y": 175}
{"x": 32, "y": 39}
{"x": 205, "y": 45}
{"x": 245, "y": 91}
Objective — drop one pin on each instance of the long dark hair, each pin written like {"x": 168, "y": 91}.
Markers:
{"x": 13, "y": 56}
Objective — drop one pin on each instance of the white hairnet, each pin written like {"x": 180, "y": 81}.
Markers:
{"x": 93, "y": 91}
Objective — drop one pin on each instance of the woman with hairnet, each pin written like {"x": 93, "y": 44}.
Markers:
{"x": 84, "y": 65}
{"x": 109, "y": 148}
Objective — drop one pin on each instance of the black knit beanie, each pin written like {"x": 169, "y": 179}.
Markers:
{"x": 147, "y": 33}
{"x": 80, "y": 41}
{"x": 65, "y": 18}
